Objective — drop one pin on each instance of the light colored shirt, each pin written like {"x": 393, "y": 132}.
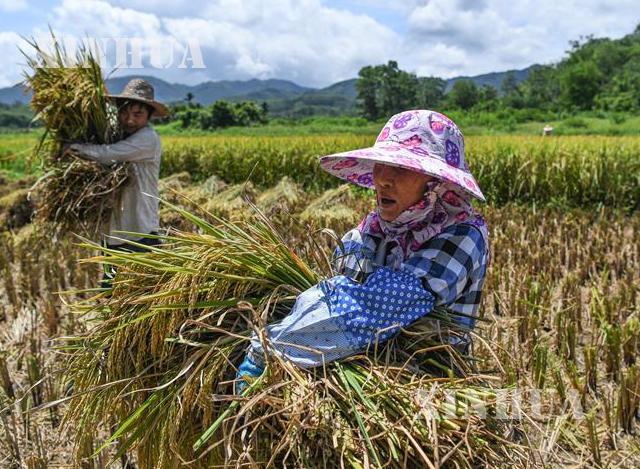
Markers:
{"x": 136, "y": 209}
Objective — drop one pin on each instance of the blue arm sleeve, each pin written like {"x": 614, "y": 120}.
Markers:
{"x": 340, "y": 317}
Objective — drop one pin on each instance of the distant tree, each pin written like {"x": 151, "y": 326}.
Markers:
{"x": 189, "y": 97}
{"x": 190, "y": 117}
{"x": 622, "y": 93}
{"x": 221, "y": 114}
{"x": 464, "y": 94}
{"x": 512, "y": 93}
{"x": 579, "y": 84}
{"x": 541, "y": 88}
{"x": 247, "y": 113}
{"x": 398, "y": 89}
{"x": 367, "y": 87}
{"x": 430, "y": 94}
{"x": 509, "y": 83}
{"x": 488, "y": 93}
{"x": 384, "y": 90}
{"x": 487, "y": 99}
{"x": 610, "y": 55}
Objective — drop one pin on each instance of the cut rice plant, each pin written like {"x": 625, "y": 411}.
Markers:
{"x": 230, "y": 202}
{"x": 285, "y": 197}
{"x": 15, "y": 210}
{"x": 162, "y": 356}
{"x": 338, "y": 209}
{"x": 70, "y": 96}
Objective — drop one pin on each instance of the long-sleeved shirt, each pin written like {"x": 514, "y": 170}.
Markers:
{"x": 369, "y": 301}
{"x": 136, "y": 209}
{"x": 452, "y": 265}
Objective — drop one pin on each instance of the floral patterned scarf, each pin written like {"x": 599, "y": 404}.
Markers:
{"x": 444, "y": 204}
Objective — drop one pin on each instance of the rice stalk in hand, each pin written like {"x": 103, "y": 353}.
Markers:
{"x": 162, "y": 358}
{"x": 70, "y": 96}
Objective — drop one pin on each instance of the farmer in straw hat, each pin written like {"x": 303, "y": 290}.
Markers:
{"x": 136, "y": 210}
{"x": 423, "y": 247}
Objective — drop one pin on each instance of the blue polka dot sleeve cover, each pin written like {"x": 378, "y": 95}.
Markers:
{"x": 339, "y": 317}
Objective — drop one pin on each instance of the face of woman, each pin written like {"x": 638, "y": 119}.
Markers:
{"x": 397, "y": 189}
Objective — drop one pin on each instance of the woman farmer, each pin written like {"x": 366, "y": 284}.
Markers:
{"x": 423, "y": 247}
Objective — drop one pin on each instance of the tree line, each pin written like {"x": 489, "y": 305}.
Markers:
{"x": 597, "y": 73}
{"x": 219, "y": 114}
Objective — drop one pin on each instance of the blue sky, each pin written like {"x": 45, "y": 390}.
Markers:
{"x": 382, "y": 12}
{"x": 23, "y": 18}
{"x": 34, "y": 14}
{"x": 319, "y": 42}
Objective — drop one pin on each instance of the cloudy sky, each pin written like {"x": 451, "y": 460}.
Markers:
{"x": 319, "y": 42}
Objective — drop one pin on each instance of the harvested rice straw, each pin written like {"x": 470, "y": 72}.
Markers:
{"x": 71, "y": 98}
{"x": 162, "y": 357}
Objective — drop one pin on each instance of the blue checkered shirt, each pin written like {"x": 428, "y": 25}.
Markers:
{"x": 452, "y": 266}
{"x": 368, "y": 301}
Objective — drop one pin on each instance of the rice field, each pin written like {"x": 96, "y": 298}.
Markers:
{"x": 561, "y": 304}
{"x": 575, "y": 171}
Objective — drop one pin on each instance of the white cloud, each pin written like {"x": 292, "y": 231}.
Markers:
{"x": 96, "y": 18}
{"x": 312, "y": 44}
{"x": 13, "y": 5}
{"x": 12, "y": 59}
{"x": 299, "y": 40}
{"x": 493, "y": 35}
{"x": 173, "y": 8}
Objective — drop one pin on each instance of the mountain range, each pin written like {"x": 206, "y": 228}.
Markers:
{"x": 283, "y": 97}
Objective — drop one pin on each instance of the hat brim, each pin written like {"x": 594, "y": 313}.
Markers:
{"x": 160, "y": 109}
{"x": 356, "y": 167}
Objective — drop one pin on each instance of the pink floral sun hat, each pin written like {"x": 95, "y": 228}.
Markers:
{"x": 423, "y": 141}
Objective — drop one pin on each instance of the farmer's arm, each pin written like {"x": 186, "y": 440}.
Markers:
{"x": 141, "y": 146}
{"x": 340, "y": 317}
{"x": 354, "y": 256}
{"x": 449, "y": 264}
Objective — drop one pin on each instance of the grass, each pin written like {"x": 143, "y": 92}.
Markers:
{"x": 16, "y": 153}
{"x": 283, "y": 127}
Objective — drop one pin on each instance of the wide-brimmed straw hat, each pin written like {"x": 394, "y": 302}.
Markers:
{"x": 139, "y": 89}
{"x": 421, "y": 140}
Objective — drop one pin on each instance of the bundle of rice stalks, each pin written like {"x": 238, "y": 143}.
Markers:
{"x": 213, "y": 185}
{"x": 178, "y": 189}
{"x": 338, "y": 209}
{"x": 285, "y": 197}
{"x": 163, "y": 354}
{"x": 9, "y": 185}
{"x": 15, "y": 210}
{"x": 70, "y": 97}
{"x": 175, "y": 181}
{"x": 230, "y": 203}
